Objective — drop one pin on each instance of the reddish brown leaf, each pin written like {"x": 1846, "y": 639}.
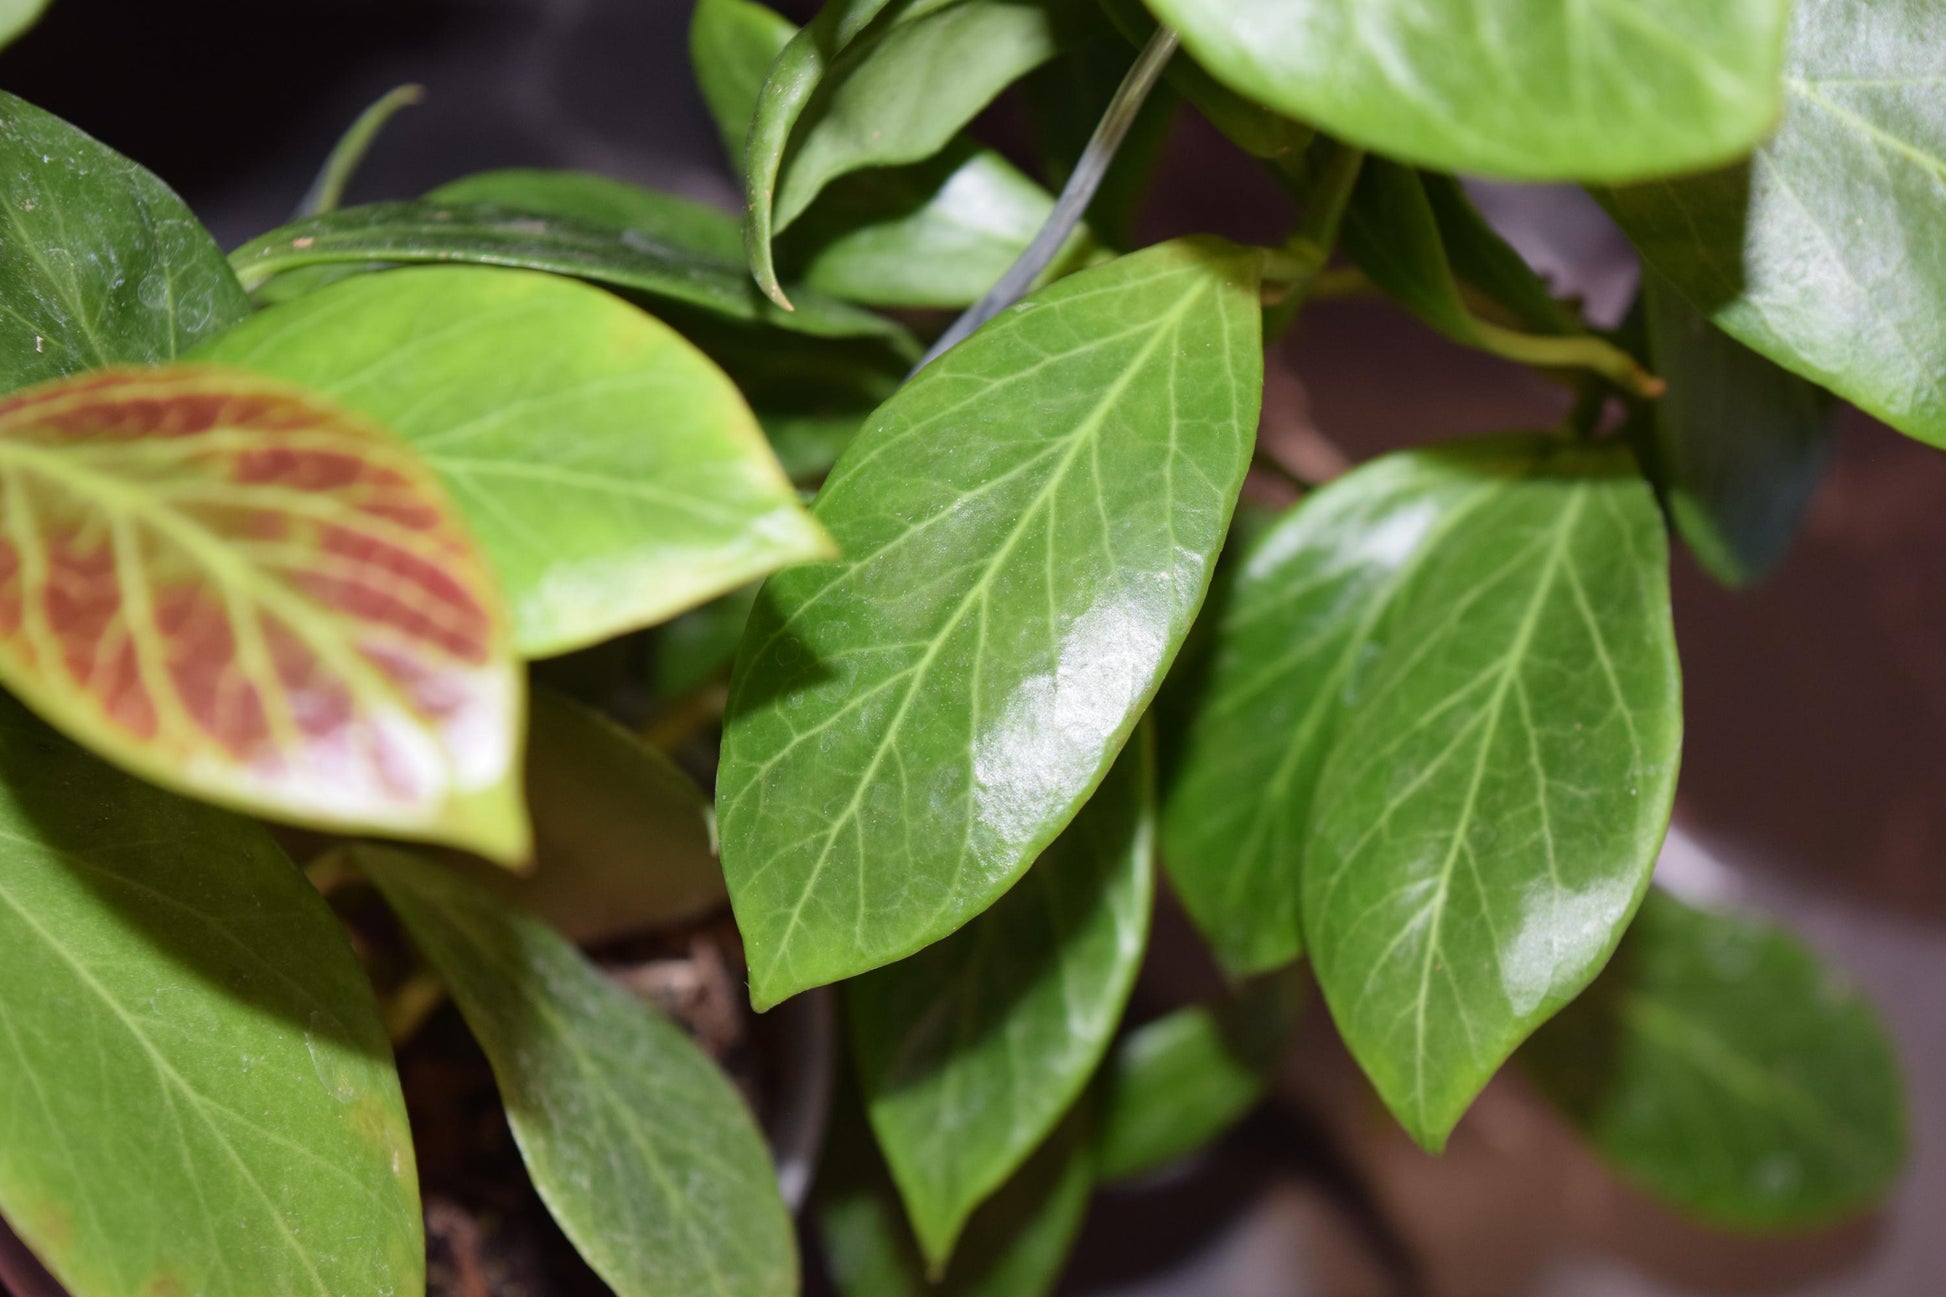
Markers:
{"x": 243, "y": 592}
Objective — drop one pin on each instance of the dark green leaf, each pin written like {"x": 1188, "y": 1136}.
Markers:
{"x": 649, "y": 214}
{"x": 198, "y": 1092}
{"x": 1181, "y": 1081}
{"x": 1526, "y": 89}
{"x": 1030, "y": 526}
{"x": 698, "y": 644}
{"x": 1015, "y": 1246}
{"x": 1739, "y": 443}
{"x": 970, "y": 1053}
{"x": 490, "y": 235}
{"x": 613, "y": 474}
{"x": 100, "y": 263}
{"x": 1718, "y": 1065}
{"x": 732, "y": 44}
{"x": 1483, "y": 260}
{"x": 1488, "y": 817}
{"x": 641, "y": 1149}
{"x": 1826, "y": 252}
{"x": 623, "y": 840}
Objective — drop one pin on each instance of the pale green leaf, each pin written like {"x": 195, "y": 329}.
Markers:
{"x": 16, "y": 16}
{"x": 1721, "y": 1067}
{"x": 613, "y": 474}
{"x": 1029, "y": 528}
{"x": 641, "y": 1149}
{"x": 100, "y": 263}
{"x": 199, "y": 1095}
{"x": 1525, "y": 89}
{"x": 970, "y": 1052}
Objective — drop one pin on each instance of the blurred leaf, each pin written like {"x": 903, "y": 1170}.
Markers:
{"x": 1740, "y": 445}
{"x": 1029, "y": 527}
{"x": 199, "y": 1095}
{"x": 16, "y": 16}
{"x": 1719, "y": 1066}
{"x": 641, "y": 1149}
{"x": 701, "y": 642}
{"x": 100, "y": 263}
{"x": 1179, "y": 1083}
{"x": 732, "y": 44}
{"x": 246, "y": 593}
{"x": 613, "y": 474}
{"x": 328, "y": 190}
{"x": 970, "y": 1052}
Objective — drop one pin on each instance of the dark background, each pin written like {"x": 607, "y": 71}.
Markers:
{"x": 1814, "y": 780}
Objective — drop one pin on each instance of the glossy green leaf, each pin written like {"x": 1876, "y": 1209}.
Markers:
{"x": 100, "y": 263}
{"x": 1826, "y": 252}
{"x": 732, "y": 44}
{"x": 1394, "y": 233}
{"x": 490, "y": 235}
{"x": 624, "y": 842}
{"x": 649, "y": 215}
{"x": 641, "y": 1149}
{"x": 1182, "y": 1081}
{"x": 1525, "y": 89}
{"x": 1298, "y": 623}
{"x": 1015, "y": 1246}
{"x": 1739, "y": 444}
{"x": 1488, "y": 817}
{"x": 614, "y": 475}
{"x": 970, "y": 1052}
{"x": 16, "y": 16}
{"x": 246, "y": 593}
{"x": 199, "y": 1095}
{"x": 1721, "y": 1067}
{"x": 1029, "y": 528}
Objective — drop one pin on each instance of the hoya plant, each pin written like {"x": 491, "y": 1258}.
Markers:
{"x": 555, "y": 561}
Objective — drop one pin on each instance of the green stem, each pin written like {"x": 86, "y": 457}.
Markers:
{"x": 1580, "y": 351}
{"x": 329, "y": 188}
{"x": 1291, "y": 273}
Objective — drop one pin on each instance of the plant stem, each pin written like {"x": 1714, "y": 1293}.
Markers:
{"x": 329, "y": 187}
{"x": 1073, "y": 202}
{"x": 1582, "y": 351}
{"x": 1291, "y": 273}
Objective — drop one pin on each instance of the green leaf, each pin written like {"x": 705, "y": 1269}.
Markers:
{"x": 199, "y": 1095}
{"x": 613, "y": 474}
{"x": 1488, "y": 817}
{"x": 969, "y": 1053}
{"x": 624, "y": 841}
{"x": 1719, "y": 1066}
{"x": 1298, "y": 623}
{"x": 1484, "y": 261}
{"x": 1180, "y": 1082}
{"x": 1395, "y": 234}
{"x": 1739, "y": 444}
{"x": 650, "y": 215}
{"x": 700, "y": 643}
{"x": 641, "y": 1149}
{"x": 248, "y": 594}
{"x": 1824, "y": 251}
{"x": 490, "y": 235}
{"x": 100, "y": 263}
{"x": 1525, "y": 89}
{"x": 732, "y": 44}
{"x": 1030, "y": 525}
{"x": 16, "y": 16}
{"x": 1015, "y": 1246}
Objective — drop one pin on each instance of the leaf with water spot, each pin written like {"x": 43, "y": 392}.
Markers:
{"x": 100, "y": 263}
{"x": 642, "y": 1150}
{"x": 614, "y": 476}
{"x": 1029, "y": 527}
{"x": 199, "y": 1095}
{"x": 1488, "y": 816}
{"x": 248, "y": 594}
{"x": 1721, "y": 1067}
{"x": 970, "y": 1052}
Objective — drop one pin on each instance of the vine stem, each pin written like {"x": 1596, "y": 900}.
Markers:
{"x": 1073, "y": 202}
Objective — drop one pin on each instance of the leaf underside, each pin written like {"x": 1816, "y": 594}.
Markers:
{"x": 244, "y": 593}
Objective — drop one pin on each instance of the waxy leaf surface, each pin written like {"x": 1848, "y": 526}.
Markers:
{"x": 1720, "y": 1066}
{"x": 490, "y": 235}
{"x": 248, "y": 594}
{"x": 1297, "y": 623}
{"x": 1739, "y": 444}
{"x": 100, "y": 262}
{"x": 642, "y": 1150}
{"x": 614, "y": 476}
{"x": 1525, "y": 89}
{"x": 1029, "y": 527}
{"x": 1016, "y": 1245}
{"x": 199, "y": 1095}
{"x": 1176, "y": 1084}
{"x": 1826, "y": 251}
{"x": 969, "y": 1053}
{"x": 1489, "y": 814}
